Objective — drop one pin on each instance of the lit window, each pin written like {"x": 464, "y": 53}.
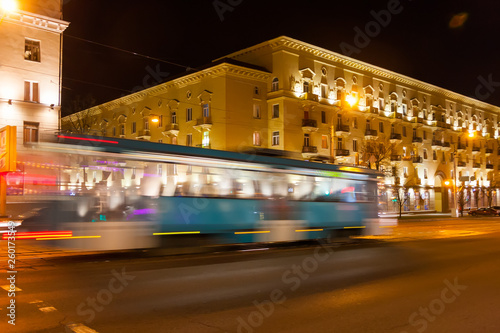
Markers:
{"x": 189, "y": 114}
{"x": 275, "y": 85}
{"x": 174, "y": 117}
{"x": 189, "y": 140}
{"x": 276, "y": 111}
{"x": 276, "y": 138}
{"x": 306, "y": 140}
{"x": 32, "y": 50}
{"x": 324, "y": 141}
{"x": 206, "y": 140}
{"x": 174, "y": 140}
{"x": 256, "y": 138}
{"x": 31, "y": 91}
{"x": 30, "y": 133}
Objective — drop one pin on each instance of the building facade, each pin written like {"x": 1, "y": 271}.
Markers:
{"x": 30, "y": 70}
{"x": 288, "y": 95}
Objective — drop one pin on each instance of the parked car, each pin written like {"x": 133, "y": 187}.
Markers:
{"x": 483, "y": 212}
{"x": 497, "y": 208}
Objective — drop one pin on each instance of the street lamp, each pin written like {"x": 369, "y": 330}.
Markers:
{"x": 7, "y": 6}
{"x": 350, "y": 99}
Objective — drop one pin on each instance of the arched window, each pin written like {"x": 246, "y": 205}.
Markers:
{"x": 306, "y": 87}
{"x": 275, "y": 85}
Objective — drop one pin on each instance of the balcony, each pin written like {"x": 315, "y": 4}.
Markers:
{"x": 341, "y": 129}
{"x": 488, "y": 151}
{"x": 406, "y": 158}
{"x": 144, "y": 135}
{"x": 476, "y": 149}
{"x": 310, "y": 97}
{"x": 489, "y": 166}
{"x": 309, "y": 151}
{"x": 204, "y": 123}
{"x": 446, "y": 145}
{"x": 341, "y": 152}
{"x": 171, "y": 129}
{"x": 461, "y": 147}
{"x": 371, "y": 134}
{"x": 309, "y": 125}
{"x": 417, "y": 159}
{"x": 461, "y": 164}
{"x": 476, "y": 165}
{"x": 395, "y": 138}
{"x": 399, "y": 115}
{"x": 436, "y": 144}
{"x": 417, "y": 139}
{"x": 420, "y": 120}
{"x": 373, "y": 110}
{"x": 395, "y": 158}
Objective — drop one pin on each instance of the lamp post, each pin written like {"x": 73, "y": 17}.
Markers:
{"x": 351, "y": 100}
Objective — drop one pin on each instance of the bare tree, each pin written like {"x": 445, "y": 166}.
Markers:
{"x": 377, "y": 152}
{"x": 79, "y": 115}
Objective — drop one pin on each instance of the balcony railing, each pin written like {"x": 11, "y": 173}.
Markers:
{"x": 373, "y": 110}
{"x": 309, "y": 123}
{"x": 476, "y": 165}
{"x": 395, "y": 136}
{"x": 461, "y": 164}
{"x": 370, "y": 132}
{"x": 395, "y": 158}
{"x": 310, "y": 149}
{"x": 342, "y": 128}
{"x": 476, "y": 149}
{"x": 437, "y": 143}
{"x": 488, "y": 151}
{"x": 399, "y": 115}
{"x": 489, "y": 166}
{"x": 417, "y": 139}
{"x": 446, "y": 145}
{"x": 204, "y": 121}
{"x": 417, "y": 159}
{"x": 461, "y": 147}
{"x": 342, "y": 152}
{"x": 310, "y": 97}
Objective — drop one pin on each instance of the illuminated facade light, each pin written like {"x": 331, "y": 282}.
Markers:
{"x": 8, "y": 5}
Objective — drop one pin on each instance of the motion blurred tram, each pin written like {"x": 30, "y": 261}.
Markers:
{"x": 131, "y": 194}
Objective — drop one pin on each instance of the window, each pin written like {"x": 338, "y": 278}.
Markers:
{"x": 276, "y": 138}
{"x": 355, "y": 124}
{"x": 414, "y": 132}
{"x": 324, "y": 141}
{"x": 393, "y": 107}
{"x": 256, "y": 111}
{"x": 339, "y": 143}
{"x": 306, "y": 140}
{"x": 368, "y": 126}
{"x": 404, "y": 131}
{"x": 189, "y": 139}
{"x": 306, "y": 87}
{"x": 381, "y": 104}
{"x": 381, "y": 127}
{"x": 339, "y": 94}
{"x": 114, "y": 131}
{"x": 256, "y": 138}
{"x": 189, "y": 114}
{"x": 174, "y": 140}
{"x": 425, "y": 154}
{"x": 256, "y": 90}
{"x": 206, "y": 110}
{"x": 122, "y": 129}
{"x": 275, "y": 85}
{"x": 405, "y": 111}
{"x": 405, "y": 172}
{"x": 160, "y": 140}
{"x": 174, "y": 117}
{"x": 276, "y": 111}
{"x": 339, "y": 120}
{"x": 160, "y": 169}
{"x": 355, "y": 146}
{"x": 434, "y": 155}
{"x": 425, "y": 135}
{"x": 160, "y": 121}
{"x": 31, "y": 92}
{"x": 134, "y": 127}
{"x": 30, "y": 133}
{"x": 146, "y": 124}
{"x": 32, "y": 50}
{"x": 323, "y": 117}
{"x": 425, "y": 173}
{"x": 206, "y": 140}
{"x": 324, "y": 91}
{"x": 405, "y": 152}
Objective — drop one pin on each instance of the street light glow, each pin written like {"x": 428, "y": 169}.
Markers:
{"x": 472, "y": 134}
{"x": 351, "y": 100}
{"x": 155, "y": 120}
{"x": 8, "y": 5}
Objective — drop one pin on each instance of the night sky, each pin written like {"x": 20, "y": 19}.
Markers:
{"x": 416, "y": 41}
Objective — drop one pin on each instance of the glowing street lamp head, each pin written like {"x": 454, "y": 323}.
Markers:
{"x": 472, "y": 134}
{"x": 155, "y": 120}
{"x": 447, "y": 183}
{"x": 8, "y": 5}
{"x": 351, "y": 100}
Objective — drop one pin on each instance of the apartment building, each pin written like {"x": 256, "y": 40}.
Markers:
{"x": 288, "y": 95}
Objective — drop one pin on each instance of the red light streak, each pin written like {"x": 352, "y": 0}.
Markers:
{"x": 86, "y": 139}
{"x": 39, "y": 234}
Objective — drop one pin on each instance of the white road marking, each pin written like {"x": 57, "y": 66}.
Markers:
{"x": 48, "y": 309}
{"x": 80, "y": 328}
{"x": 7, "y": 288}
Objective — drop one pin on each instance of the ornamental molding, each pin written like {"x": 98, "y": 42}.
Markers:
{"x": 36, "y": 21}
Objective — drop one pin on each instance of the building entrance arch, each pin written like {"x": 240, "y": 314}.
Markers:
{"x": 442, "y": 193}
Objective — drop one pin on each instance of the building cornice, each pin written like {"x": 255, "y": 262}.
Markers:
{"x": 284, "y": 42}
{"x": 36, "y": 21}
{"x": 218, "y": 70}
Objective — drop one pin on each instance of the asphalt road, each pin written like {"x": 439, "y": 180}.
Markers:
{"x": 436, "y": 276}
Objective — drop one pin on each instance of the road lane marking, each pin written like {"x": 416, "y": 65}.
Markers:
{"x": 80, "y": 328}
{"x": 7, "y": 288}
{"x": 48, "y": 309}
